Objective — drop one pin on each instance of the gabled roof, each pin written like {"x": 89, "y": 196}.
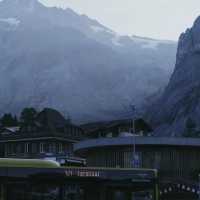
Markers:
{"x": 139, "y": 124}
{"x": 51, "y": 118}
{"x": 48, "y": 123}
{"x": 92, "y": 127}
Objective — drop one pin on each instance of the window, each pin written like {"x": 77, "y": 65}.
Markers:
{"x": 41, "y": 147}
{"x": 51, "y": 148}
{"x": 60, "y": 149}
{"x": 26, "y": 147}
{"x": 13, "y": 149}
{"x": 34, "y": 147}
{"x": 6, "y": 150}
{"x": 109, "y": 135}
{"x": 19, "y": 148}
{"x": 70, "y": 149}
{"x": 75, "y": 132}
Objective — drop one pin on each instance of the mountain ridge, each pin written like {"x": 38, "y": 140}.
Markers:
{"x": 56, "y": 58}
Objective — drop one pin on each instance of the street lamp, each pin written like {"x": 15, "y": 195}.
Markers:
{"x": 133, "y": 131}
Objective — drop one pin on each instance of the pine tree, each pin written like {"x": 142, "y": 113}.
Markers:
{"x": 8, "y": 120}
{"x": 28, "y": 116}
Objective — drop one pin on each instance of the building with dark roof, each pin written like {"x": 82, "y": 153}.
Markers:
{"x": 177, "y": 160}
{"x": 174, "y": 158}
{"x": 50, "y": 136}
{"x": 117, "y": 127}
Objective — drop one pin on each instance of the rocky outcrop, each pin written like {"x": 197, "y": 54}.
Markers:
{"x": 180, "y": 101}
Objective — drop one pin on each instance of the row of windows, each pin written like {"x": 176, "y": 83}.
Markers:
{"x": 50, "y": 147}
{"x": 73, "y": 131}
{"x": 69, "y": 130}
{"x": 42, "y": 147}
{"x": 114, "y": 132}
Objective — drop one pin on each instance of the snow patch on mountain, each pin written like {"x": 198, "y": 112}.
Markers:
{"x": 148, "y": 43}
{"x": 97, "y": 28}
{"x": 116, "y": 40}
{"x": 101, "y": 29}
{"x": 10, "y": 21}
{"x": 115, "y": 37}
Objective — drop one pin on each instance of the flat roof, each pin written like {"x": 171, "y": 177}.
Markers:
{"x": 138, "y": 140}
{"x": 44, "y": 164}
{"x": 32, "y": 163}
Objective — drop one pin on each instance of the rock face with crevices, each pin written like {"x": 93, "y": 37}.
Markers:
{"x": 181, "y": 98}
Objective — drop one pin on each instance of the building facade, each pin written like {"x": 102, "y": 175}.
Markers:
{"x": 174, "y": 158}
{"x": 51, "y": 136}
{"x": 117, "y": 128}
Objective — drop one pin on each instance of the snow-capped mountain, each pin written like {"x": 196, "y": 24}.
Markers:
{"x": 51, "y": 57}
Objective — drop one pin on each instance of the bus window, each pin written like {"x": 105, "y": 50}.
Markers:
{"x": 73, "y": 192}
{"x": 16, "y": 191}
{"x": 20, "y": 191}
{"x": 44, "y": 192}
{"x": 2, "y": 192}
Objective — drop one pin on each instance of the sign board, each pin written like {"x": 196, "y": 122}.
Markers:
{"x": 82, "y": 173}
{"x": 136, "y": 160}
{"x": 110, "y": 174}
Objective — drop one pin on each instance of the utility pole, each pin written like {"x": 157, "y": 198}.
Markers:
{"x": 133, "y": 120}
{"x": 133, "y": 131}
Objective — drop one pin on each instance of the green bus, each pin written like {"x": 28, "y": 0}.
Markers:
{"x": 24, "y": 179}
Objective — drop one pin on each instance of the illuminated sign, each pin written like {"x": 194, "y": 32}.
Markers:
{"x": 82, "y": 173}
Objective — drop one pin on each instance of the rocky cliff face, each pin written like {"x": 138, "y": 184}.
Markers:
{"x": 181, "y": 98}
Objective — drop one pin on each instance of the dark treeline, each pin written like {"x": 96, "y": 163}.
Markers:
{"x": 27, "y": 117}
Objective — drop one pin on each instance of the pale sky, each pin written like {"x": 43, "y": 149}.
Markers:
{"x": 160, "y": 19}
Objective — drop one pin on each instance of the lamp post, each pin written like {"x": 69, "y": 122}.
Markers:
{"x": 134, "y": 153}
{"x": 133, "y": 130}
